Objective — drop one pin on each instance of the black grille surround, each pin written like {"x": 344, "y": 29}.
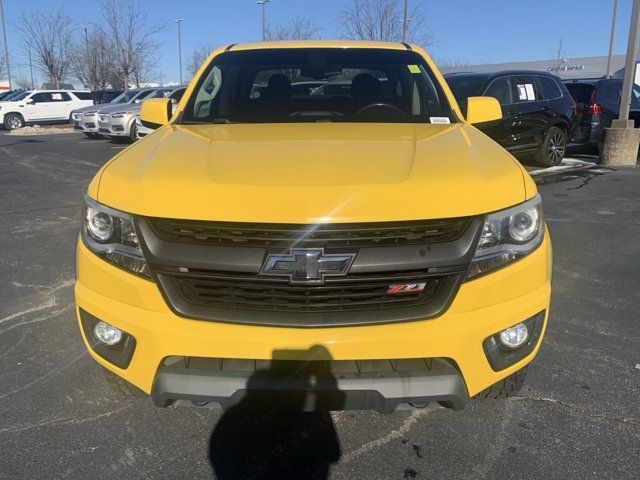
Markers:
{"x": 347, "y": 235}
{"x": 219, "y": 282}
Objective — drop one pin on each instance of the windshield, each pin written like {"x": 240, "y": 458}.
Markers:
{"x": 125, "y": 97}
{"x": 344, "y": 85}
{"x": 16, "y": 97}
{"x": 465, "y": 87}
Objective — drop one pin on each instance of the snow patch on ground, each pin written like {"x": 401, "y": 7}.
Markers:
{"x": 38, "y": 130}
{"x": 567, "y": 164}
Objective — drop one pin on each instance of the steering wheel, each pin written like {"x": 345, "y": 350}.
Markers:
{"x": 371, "y": 106}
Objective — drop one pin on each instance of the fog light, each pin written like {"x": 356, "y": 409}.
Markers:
{"x": 107, "y": 334}
{"x": 514, "y": 337}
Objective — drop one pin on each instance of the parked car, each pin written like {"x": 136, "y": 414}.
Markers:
{"x": 537, "y": 110}
{"x": 119, "y": 123}
{"x": 105, "y": 96}
{"x": 364, "y": 251}
{"x": 86, "y": 119}
{"x": 597, "y": 105}
{"x": 6, "y": 95}
{"x": 175, "y": 96}
{"x": 42, "y": 106}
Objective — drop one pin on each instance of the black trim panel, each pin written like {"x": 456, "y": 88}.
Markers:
{"x": 281, "y": 382}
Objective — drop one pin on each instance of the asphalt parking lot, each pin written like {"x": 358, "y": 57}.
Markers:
{"x": 578, "y": 416}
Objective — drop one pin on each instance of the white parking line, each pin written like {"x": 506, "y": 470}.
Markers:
{"x": 95, "y": 141}
{"x": 117, "y": 148}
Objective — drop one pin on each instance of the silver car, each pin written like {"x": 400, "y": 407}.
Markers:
{"x": 118, "y": 121}
{"x": 86, "y": 119}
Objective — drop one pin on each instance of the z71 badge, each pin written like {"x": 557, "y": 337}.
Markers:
{"x": 406, "y": 288}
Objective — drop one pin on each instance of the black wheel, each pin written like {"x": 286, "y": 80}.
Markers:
{"x": 553, "y": 148}
{"x": 508, "y": 387}
{"x": 91, "y": 134}
{"x": 121, "y": 386}
{"x": 12, "y": 121}
{"x": 133, "y": 132}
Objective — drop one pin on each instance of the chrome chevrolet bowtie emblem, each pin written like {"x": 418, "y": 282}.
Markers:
{"x": 307, "y": 265}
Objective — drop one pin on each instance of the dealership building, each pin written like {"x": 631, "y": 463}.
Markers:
{"x": 566, "y": 68}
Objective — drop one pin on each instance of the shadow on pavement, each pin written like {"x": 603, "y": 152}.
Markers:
{"x": 272, "y": 434}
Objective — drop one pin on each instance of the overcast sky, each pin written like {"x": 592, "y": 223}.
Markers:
{"x": 474, "y": 31}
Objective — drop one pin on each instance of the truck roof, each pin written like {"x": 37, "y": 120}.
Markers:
{"x": 318, "y": 44}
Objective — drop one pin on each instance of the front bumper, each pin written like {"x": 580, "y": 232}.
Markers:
{"x": 481, "y": 308}
{"x": 115, "y": 127}
{"x": 85, "y": 124}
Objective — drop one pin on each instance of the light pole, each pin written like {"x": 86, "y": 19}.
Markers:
{"x": 178, "y": 22}
{"x": 404, "y": 21}
{"x": 611, "y": 37}
{"x": 264, "y": 17}
{"x": 6, "y": 48}
{"x": 30, "y": 66}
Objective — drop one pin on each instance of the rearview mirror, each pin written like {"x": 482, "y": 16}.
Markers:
{"x": 155, "y": 112}
{"x": 483, "y": 109}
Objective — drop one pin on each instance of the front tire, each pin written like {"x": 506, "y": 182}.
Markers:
{"x": 13, "y": 121}
{"x": 507, "y": 387}
{"x": 553, "y": 148}
{"x": 133, "y": 132}
{"x": 91, "y": 134}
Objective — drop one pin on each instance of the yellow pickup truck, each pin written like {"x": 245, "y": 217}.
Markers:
{"x": 315, "y": 219}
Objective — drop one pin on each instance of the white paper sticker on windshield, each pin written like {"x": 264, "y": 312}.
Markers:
{"x": 439, "y": 120}
{"x": 530, "y": 93}
{"x": 56, "y": 96}
{"x": 522, "y": 92}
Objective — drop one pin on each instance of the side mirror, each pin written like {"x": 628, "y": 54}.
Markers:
{"x": 29, "y": 101}
{"x": 155, "y": 112}
{"x": 483, "y": 109}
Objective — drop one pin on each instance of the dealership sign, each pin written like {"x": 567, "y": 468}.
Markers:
{"x": 565, "y": 68}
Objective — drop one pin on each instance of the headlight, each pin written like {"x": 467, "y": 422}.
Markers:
{"x": 120, "y": 114}
{"x": 110, "y": 234}
{"x": 90, "y": 114}
{"x": 508, "y": 235}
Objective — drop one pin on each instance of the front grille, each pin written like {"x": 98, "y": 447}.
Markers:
{"x": 353, "y": 292}
{"x": 317, "y": 236}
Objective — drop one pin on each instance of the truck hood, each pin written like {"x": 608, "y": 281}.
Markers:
{"x": 312, "y": 173}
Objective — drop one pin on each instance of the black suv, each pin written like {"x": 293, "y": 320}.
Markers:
{"x": 537, "y": 110}
{"x": 597, "y": 105}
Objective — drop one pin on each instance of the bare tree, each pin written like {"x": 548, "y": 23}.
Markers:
{"x": 197, "y": 57}
{"x": 298, "y": 28}
{"x": 49, "y": 34}
{"x": 382, "y": 20}
{"x": 559, "y": 56}
{"x": 22, "y": 82}
{"x": 451, "y": 62}
{"x": 93, "y": 62}
{"x": 134, "y": 40}
{"x": 144, "y": 70}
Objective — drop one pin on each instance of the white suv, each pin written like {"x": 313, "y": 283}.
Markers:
{"x": 42, "y": 106}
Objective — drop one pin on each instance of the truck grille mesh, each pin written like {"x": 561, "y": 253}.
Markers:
{"x": 319, "y": 236}
{"x": 353, "y": 292}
